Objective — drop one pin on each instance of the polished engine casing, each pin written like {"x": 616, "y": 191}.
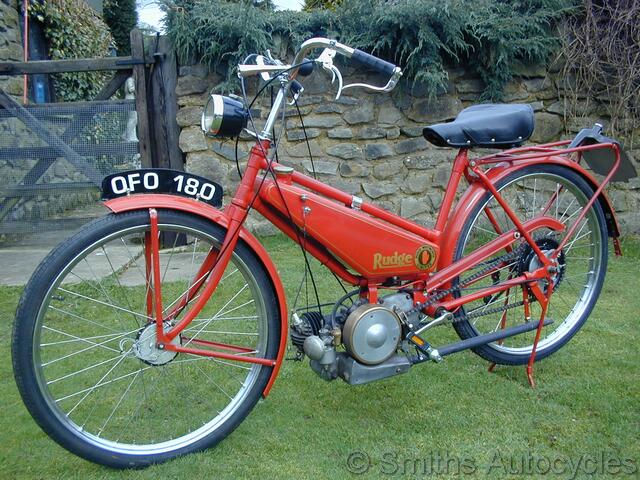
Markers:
{"x": 372, "y": 333}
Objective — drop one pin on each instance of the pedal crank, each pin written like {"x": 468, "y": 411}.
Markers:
{"x": 443, "y": 318}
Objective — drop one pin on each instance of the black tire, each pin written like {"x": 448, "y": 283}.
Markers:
{"x": 127, "y": 418}
{"x": 516, "y": 350}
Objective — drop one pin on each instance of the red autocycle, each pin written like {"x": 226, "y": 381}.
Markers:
{"x": 154, "y": 331}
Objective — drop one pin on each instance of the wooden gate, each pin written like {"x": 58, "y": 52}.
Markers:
{"x": 54, "y": 131}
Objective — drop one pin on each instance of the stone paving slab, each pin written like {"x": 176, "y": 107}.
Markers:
{"x": 18, "y": 263}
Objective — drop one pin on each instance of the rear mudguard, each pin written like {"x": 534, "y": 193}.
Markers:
{"x": 476, "y": 191}
{"x": 173, "y": 202}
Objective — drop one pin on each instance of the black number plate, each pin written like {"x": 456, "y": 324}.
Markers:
{"x": 160, "y": 180}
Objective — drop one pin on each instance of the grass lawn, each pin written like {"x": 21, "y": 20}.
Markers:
{"x": 448, "y": 419}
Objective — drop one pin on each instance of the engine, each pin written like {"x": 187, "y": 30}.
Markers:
{"x": 370, "y": 333}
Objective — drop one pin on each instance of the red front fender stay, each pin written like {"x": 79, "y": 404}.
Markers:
{"x": 173, "y": 202}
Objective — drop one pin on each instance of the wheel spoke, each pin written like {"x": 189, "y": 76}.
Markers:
{"x": 86, "y": 369}
{"x": 104, "y": 425}
{"x": 79, "y": 317}
{"x": 90, "y": 390}
{"x": 115, "y": 277}
{"x": 93, "y": 344}
{"x": 106, "y": 295}
{"x": 115, "y": 307}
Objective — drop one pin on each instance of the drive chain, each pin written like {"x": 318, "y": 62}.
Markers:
{"x": 488, "y": 267}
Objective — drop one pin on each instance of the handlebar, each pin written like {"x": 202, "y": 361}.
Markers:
{"x": 319, "y": 42}
{"x": 288, "y": 73}
{"x": 359, "y": 56}
{"x": 333, "y": 47}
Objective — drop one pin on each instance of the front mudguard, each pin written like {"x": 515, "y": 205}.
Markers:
{"x": 477, "y": 190}
{"x": 173, "y": 202}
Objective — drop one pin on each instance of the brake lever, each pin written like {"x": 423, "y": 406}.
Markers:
{"x": 260, "y": 61}
{"x": 397, "y": 73}
{"x": 273, "y": 60}
{"x": 326, "y": 57}
{"x": 326, "y": 61}
{"x": 267, "y": 59}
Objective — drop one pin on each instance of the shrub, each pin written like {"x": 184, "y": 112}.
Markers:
{"x": 601, "y": 62}
{"x": 311, "y": 4}
{"x": 490, "y": 37}
{"x": 121, "y": 17}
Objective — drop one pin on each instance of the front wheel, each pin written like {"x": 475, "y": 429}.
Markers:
{"x": 84, "y": 354}
{"x": 556, "y": 192}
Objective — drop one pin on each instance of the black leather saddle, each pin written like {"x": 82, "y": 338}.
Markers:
{"x": 489, "y": 125}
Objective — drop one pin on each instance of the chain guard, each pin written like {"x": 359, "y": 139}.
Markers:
{"x": 490, "y": 265}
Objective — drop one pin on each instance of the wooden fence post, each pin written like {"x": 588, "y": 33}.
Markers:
{"x": 164, "y": 107}
{"x": 145, "y": 138}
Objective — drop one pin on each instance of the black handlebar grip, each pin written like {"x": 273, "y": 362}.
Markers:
{"x": 307, "y": 68}
{"x": 372, "y": 62}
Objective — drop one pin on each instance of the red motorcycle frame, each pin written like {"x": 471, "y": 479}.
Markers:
{"x": 293, "y": 201}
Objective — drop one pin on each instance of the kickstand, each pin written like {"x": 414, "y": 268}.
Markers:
{"x": 532, "y": 382}
{"x": 543, "y": 299}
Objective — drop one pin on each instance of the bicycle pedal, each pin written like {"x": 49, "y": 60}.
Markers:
{"x": 424, "y": 347}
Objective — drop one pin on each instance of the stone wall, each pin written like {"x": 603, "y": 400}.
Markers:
{"x": 371, "y": 144}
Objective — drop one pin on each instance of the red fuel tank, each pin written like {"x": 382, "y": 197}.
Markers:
{"x": 372, "y": 247}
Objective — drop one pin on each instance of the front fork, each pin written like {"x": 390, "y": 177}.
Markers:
{"x": 208, "y": 277}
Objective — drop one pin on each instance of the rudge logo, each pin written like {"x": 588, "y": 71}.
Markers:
{"x": 391, "y": 261}
{"x": 425, "y": 257}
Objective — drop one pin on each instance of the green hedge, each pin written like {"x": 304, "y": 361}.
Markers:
{"x": 487, "y": 37}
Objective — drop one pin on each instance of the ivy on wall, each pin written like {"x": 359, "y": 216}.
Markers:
{"x": 489, "y": 37}
{"x": 73, "y": 30}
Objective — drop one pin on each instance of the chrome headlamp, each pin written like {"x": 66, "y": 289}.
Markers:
{"x": 223, "y": 117}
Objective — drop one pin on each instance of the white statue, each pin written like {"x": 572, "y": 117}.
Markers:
{"x": 130, "y": 134}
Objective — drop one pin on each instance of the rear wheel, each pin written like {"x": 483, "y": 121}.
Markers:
{"x": 84, "y": 352}
{"x": 536, "y": 190}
